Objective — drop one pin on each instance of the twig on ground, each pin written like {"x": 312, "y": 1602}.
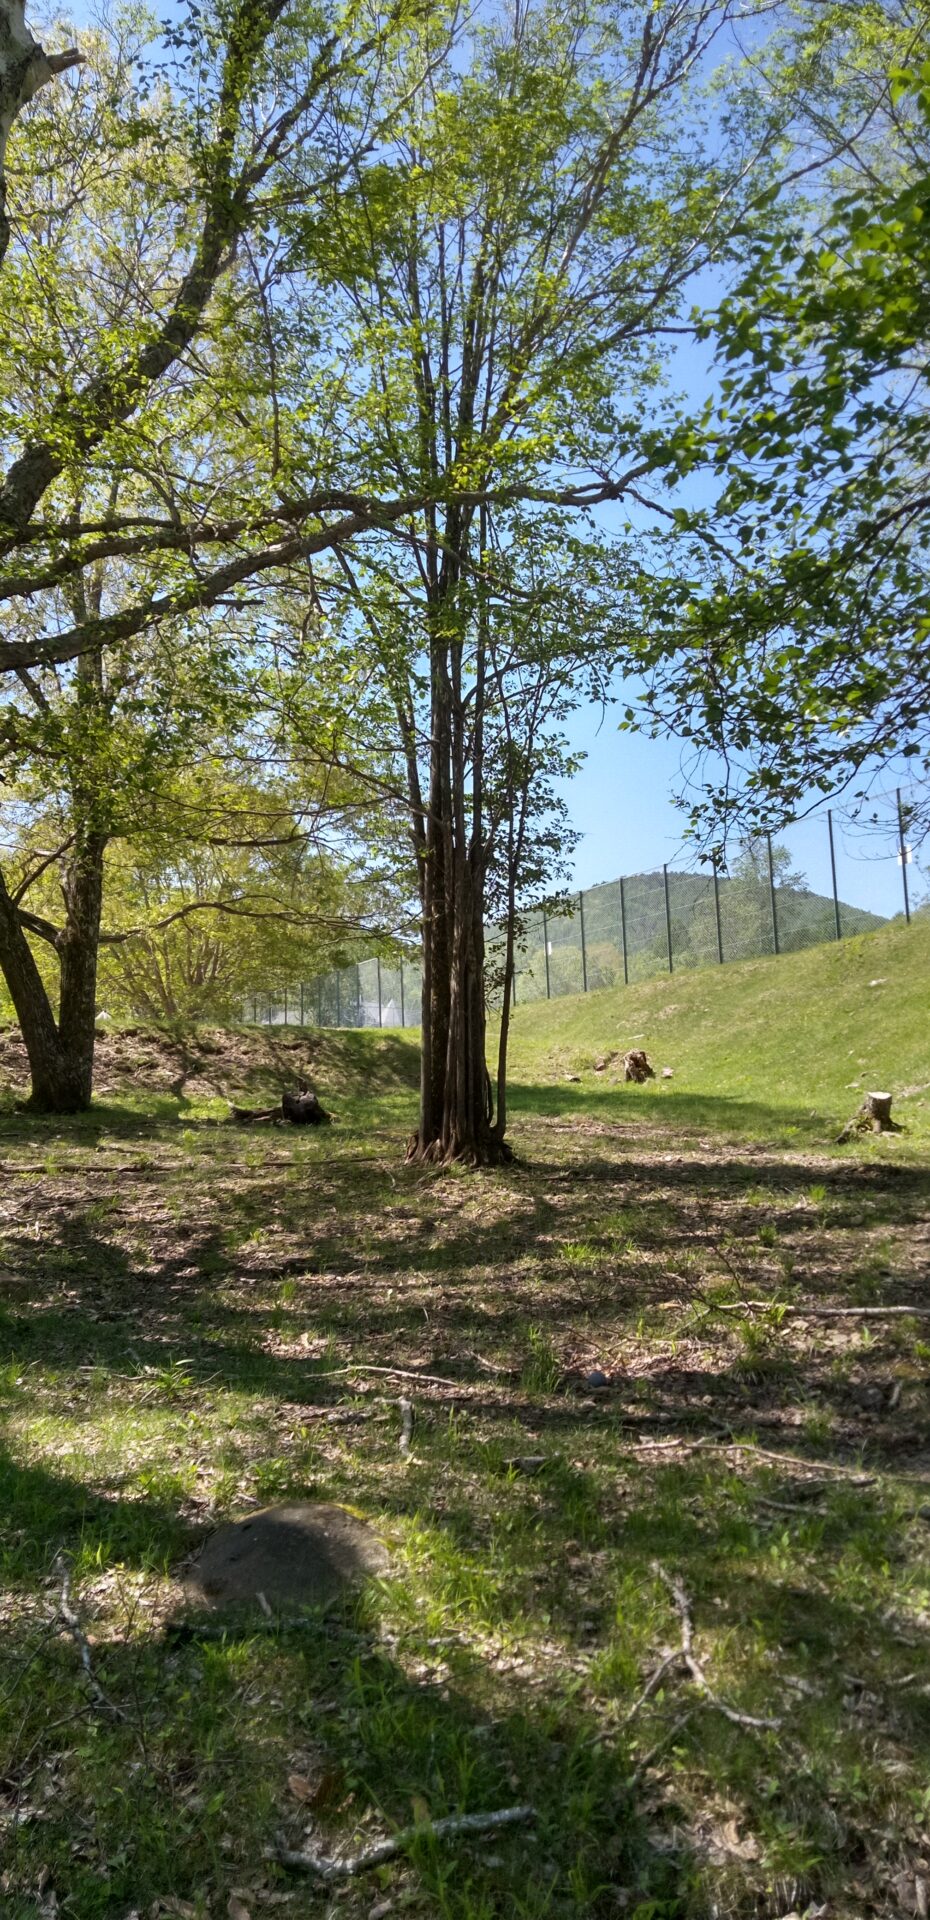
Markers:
{"x": 342, "y": 1867}
{"x": 653, "y": 1682}
{"x": 812, "y": 1311}
{"x": 396, "y": 1373}
{"x": 492, "y": 1366}
{"x": 684, "y": 1445}
{"x": 406, "y": 1424}
{"x": 671, "y": 1733}
{"x": 688, "y": 1657}
{"x": 70, "y": 1620}
{"x": 789, "y": 1506}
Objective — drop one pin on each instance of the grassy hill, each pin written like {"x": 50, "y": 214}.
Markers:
{"x": 769, "y": 1048}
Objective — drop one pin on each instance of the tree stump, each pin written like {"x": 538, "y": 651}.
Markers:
{"x": 636, "y": 1066}
{"x": 302, "y": 1109}
{"x": 874, "y": 1116}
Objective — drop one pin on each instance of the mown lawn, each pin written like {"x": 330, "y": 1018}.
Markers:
{"x": 190, "y": 1321}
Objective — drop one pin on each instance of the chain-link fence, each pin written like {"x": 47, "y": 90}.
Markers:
{"x": 825, "y": 878}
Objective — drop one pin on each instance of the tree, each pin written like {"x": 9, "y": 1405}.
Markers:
{"x": 795, "y": 644}
{"x": 136, "y": 417}
{"x": 195, "y": 929}
{"x": 500, "y": 281}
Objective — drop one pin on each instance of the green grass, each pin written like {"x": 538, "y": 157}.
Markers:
{"x": 770, "y": 1049}
{"x": 174, "y": 1297}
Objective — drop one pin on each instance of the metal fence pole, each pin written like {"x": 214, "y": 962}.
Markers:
{"x": 359, "y": 1014}
{"x": 380, "y": 1021}
{"x": 836, "y": 897}
{"x": 546, "y": 952}
{"x": 668, "y": 920}
{"x": 768, "y": 842}
{"x": 626, "y": 970}
{"x": 584, "y": 955}
{"x": 285, "y": 1006}
{"x": 403, "y": 1017}
{"x": 319, "y": 1000}
{"x": 903, "y": 845}
{"x": 301, "y": 1003}
{"x": 717, "y": 916}
{"x": 338, "y": 998}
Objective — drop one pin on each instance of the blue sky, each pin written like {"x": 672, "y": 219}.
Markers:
{"x": 621, "y": 802}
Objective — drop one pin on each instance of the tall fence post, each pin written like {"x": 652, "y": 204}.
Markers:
{"x": 836, "y": 897}
{"x": 904, "y": 856}
{"x": 717, "y": 916}
{"x": 359, "y": 1009}
{"x": 285, "y": 1006}
{"x": 768, "y": 842}
{"x": 546, "y": 953}
{"x": 338, "y": 998}
{"x": 301, "y": 1003}
{"x": 319, "y": 1001}
{"x": 584, "y": 953}
{"x": 626, "y": 970}
{"x": 380, "y": 1021}
{"x": 668, "y": 919}
{"x": 403, "y": 1017}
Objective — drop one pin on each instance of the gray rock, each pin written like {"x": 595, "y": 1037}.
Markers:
{"x": 596, "y": 1379}
{"x": 295, "y": 1555}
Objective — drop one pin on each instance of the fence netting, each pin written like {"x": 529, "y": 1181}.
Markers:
{"x": 824, "y": 878}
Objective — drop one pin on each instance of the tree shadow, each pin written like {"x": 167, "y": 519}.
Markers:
{"x": 661, "y": 1108}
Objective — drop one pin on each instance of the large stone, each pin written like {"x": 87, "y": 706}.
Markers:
{"x": 296, "y": 1555}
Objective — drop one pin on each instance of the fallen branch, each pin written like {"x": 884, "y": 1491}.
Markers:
{"x": 652, "y": 1684}
{"x": 396, "y": 1373}
{"x": 406, "y": 1424}
{"x": 811, "y": 1312}
{"x": 341, "y": 1868}
{"x": 689, "y": 1659}
{"x": 70, "y": 1620}
{"x": 684, "y": 1445}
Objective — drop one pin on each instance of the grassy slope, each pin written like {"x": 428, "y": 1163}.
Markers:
{"x": 776, "y": 1049}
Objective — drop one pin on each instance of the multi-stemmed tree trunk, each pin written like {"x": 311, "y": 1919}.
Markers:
{"x": 456, "y": 1102}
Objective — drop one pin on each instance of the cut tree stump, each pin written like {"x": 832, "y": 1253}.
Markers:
{"x": 874, "y": 1116}
{"x": 302, "y": 1109}
{"x": 636, "y": 1066}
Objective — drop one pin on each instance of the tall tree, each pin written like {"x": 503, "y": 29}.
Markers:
{"x": 502, "y": 280}
{"x": 138, "y": 427}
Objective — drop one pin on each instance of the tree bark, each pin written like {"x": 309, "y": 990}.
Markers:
{"x": 24, "y": 68}
{"x": 456, "y": 1103}
{"x": 60, "y": 1053}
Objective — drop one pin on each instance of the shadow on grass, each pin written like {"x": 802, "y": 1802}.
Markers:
{"x": 192, "y": 1785}
{"x": 178, "y": 1771}
{"x": 660, "y": 1108}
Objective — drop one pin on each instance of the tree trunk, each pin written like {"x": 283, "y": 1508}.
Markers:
{"x": 61, "y": 1054}
{"x": 24, "y": 67}
{"x": 79, "y": 948}
{"x": 456, "y": 1105}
